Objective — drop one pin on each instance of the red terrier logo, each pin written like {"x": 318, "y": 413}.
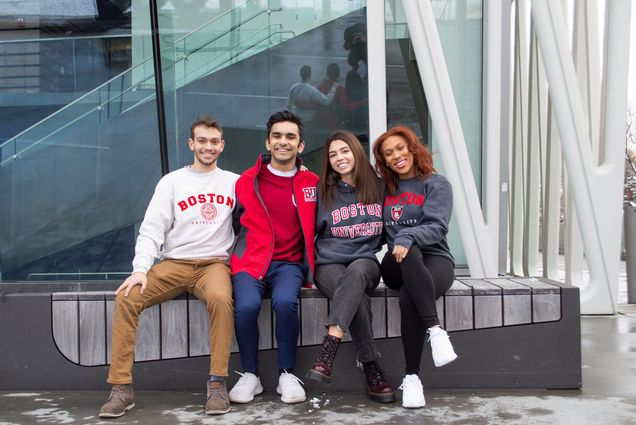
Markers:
{"x": 396, "y": 212}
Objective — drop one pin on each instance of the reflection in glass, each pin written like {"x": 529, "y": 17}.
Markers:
{"x": 79, "y": 153}
{"x": 79, "y": 156}
{"x": 459, "y": 24}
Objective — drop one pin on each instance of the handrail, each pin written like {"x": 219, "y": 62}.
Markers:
{"x": 86, "y": 113}
{"x": 269, "y": 36}
{"x": 85, "y": 95}
{"x": 210, "y": 21}
{"x": 251, "y": 18}
{"x": 129, "y": 70}
{"x": 40, "y": 40}
{"x": 77, "y": 274}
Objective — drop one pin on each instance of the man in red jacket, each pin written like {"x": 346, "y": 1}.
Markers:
{"x": 274, "y": 251}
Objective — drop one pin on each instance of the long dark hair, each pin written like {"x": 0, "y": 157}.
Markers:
{"x": 368, "y": 185}
{"x": 422, "y": 158}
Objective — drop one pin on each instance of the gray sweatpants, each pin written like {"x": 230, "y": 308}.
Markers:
{"x": 346, "y": 286}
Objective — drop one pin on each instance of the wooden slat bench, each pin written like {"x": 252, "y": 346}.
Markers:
{"x": 81, "y": 321}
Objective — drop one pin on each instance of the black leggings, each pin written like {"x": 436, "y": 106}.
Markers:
{"x": 421, "y": 279}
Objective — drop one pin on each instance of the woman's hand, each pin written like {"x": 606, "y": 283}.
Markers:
{"x": 399, "y": 252}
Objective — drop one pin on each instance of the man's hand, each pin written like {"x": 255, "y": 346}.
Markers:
{"x": 399, "y": 252}
{"x": 137, "y": 278}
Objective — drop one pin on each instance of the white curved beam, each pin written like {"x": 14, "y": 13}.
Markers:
{"x": 596, "y": 189}
{"x": 439, "y": 95}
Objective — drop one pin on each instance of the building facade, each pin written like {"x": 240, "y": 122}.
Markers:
{"x": 97, "y": 98}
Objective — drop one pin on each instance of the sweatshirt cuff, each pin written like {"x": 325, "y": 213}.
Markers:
{"x": 404, "y": 241}
{"x": 140, "y": 269}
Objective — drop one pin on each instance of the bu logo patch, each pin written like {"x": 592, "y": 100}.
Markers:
{"x": 309, "y": 194}
{"x": 208, "y": 212}
{"x": 396, "y": 212}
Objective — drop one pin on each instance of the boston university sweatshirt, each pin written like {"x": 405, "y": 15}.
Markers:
{"x": 418, "y": 215}
{"x": 349, "y": 229}
{"x": 190, "y": 215}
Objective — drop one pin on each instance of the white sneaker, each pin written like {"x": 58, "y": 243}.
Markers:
{"x": 412, "y": 392}
{"x": 246, "y": 388}
{"x": 441, "y": 347}
{"x": 290, "y": 389}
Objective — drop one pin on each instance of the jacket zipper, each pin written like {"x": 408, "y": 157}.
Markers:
{"x": 271, "y": 228}
{"x": 302, "y": 229}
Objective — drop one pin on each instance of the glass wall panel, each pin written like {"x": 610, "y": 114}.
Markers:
{"x": 79, "y": 155}
{"x": 239, "y": 60}
{"x": 459, "y": 23}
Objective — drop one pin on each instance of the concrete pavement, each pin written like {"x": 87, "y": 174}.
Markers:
{"x": 608, "y": 397}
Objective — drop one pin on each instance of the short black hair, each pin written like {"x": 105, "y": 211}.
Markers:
{"x": 281, "y": 116}
{"x": 205, "y": 121}
{"x": 333, "y": 71}
{"x": 305, "y": 72}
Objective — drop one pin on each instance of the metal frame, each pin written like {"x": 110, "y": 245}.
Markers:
{"x": 589, "y": 128}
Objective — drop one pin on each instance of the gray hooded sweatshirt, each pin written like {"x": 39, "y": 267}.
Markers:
{"x": 349, "y": 229}
{"x": 418, "y": 215}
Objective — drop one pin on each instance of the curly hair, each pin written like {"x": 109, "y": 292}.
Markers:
{"x": 422, "y": 158}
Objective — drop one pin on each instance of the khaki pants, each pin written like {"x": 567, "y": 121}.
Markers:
{"x": 209, "y": 280}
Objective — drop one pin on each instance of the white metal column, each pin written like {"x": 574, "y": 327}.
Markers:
{"x": 439, "y": 95}
{"x": 596, "y": 189}
{"x": 376, "y": 62}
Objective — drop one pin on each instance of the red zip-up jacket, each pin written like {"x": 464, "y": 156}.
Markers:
{"x": 255, "y": 242}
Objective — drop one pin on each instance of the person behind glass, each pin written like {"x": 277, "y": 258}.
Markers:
{"x": 190, "y": 215}
{"x": 303, "y": 98}
{"x": 348, "y": 235}
{"x": 417, "y": 209}
{"x": 332, "y": 116}
{"x": 274, "y": 251}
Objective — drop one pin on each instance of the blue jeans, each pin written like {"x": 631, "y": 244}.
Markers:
{"x": 284, "y": 279}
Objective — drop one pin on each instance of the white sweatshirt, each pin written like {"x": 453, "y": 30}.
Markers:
{"x": 190, "y": 214}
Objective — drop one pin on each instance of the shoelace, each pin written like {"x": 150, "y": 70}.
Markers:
{"x": 360, "y": 365}
{"x": 116, "y": 390}
{"x": 327, "y": 353}
{"x": 216, "y": 393}
{"x": 119, "y": 392}
{"x": 241, "y": 382}
{"x": 292, "y": 376}
{"x": 375, "y": 374}
{"x": 405, "y": 383}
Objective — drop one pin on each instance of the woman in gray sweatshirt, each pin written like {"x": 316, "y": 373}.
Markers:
{"x": 417, "y": 208}
{"x": 348, "y": 235}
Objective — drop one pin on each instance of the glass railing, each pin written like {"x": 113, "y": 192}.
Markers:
{"x": 219, "y": 43}
{"x": 75, "y": 183}
{"x": 228, "y": 38}
{"x": 194, "y": 66}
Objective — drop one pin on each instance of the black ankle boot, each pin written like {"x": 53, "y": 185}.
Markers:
{"x": 377, "y": 387}
{"x": 321, "y": 370}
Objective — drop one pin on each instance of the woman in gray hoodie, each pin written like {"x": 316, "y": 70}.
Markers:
{"x": 418, "y": 263}
{"x": 348, "y": 235}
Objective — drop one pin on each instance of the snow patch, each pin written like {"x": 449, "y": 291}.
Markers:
{"x": 21, "y": 395}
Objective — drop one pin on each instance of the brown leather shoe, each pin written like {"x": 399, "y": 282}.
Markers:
{"x": 121, "y": 400}
{"x": 218, "y": 401}
{"x": 321, "y": 370}
{"x": 378, "y": 389}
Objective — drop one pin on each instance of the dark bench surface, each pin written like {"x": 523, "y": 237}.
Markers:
{"x": 179, "y": 328}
